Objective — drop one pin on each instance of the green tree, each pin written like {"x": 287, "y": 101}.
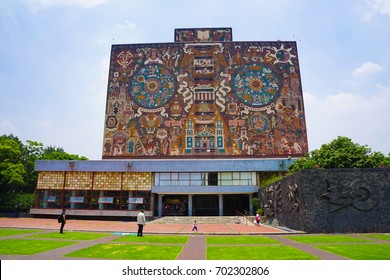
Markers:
{"x": 17, "y": 169}
{"x": 340, "y": 153}
{"x": 11, "y": 168}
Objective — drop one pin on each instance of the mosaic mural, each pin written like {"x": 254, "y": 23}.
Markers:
{"x": 202, "y": 97}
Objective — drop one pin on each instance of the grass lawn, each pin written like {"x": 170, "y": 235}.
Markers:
{"x": 325, "y": 238}
{"x": 128, "y": 252}
{"x": 360, "y": 251}
{"x": 384, "y": 236}
{"x": 154, "y": 239}
{"x": 29, "y": 247}
{"x": 71, "y": 235}
{"x": 240, "y": 240}
{"x": 256, "y": 253}
{"x": 9, "y": 232}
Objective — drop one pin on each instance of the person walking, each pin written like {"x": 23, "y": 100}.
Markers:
{"x": 62, "y": 220}
{"x": 141, "y": 222}
{"x": 258, "y": 219}
{"x": 195, "y": 227}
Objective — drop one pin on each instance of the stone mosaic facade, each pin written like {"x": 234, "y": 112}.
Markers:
{"x": 204, "y": 96}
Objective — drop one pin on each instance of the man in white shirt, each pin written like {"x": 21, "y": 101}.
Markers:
{"x": 141, "y": 222}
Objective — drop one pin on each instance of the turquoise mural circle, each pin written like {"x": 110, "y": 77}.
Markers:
{"x": 256, "y": 85}
{"x": 152, "y": 86}
{"x": 259, "y": 123}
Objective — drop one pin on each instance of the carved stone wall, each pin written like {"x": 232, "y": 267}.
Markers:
{"x": 333, "y": 200}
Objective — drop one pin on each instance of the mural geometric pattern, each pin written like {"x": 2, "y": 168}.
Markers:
{"x": 204, "y": 97}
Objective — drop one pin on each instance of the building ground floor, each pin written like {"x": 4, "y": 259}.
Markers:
{"x": 161, "y": 188}
{"x": 203, "y": 204}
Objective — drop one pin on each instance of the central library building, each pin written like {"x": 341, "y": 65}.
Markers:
{"x": 191, "y": 128}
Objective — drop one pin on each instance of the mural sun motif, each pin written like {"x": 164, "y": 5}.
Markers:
{"x": 256, "y": 85}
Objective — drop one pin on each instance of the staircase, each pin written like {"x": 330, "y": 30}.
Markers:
{"x": 199, "y": 220}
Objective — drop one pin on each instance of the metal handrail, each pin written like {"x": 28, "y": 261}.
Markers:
{"x": 245, "y": 215}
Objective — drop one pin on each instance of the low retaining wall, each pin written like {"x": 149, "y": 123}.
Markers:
{"x": 331, "y": 200}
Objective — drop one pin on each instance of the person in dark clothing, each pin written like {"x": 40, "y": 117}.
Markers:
{"x": 63, "y": 220}
{"x": 195, "y": 227}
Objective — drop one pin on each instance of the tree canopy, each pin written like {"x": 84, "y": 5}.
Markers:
{"x": 17, "y": 163}
{"x": 341, "y": 153}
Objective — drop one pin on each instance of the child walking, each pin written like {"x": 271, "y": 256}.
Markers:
{"x": 195, "y": 226}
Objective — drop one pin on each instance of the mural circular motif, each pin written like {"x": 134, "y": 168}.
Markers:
{"x": 111, "y": 122}
{"x": 259, "y": 123}
{"x": 256, "y": 85}
{"x": 152, "y": 86}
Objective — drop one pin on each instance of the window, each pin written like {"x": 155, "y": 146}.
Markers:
{"x": 246, "y": 178}
{"x": 105, "y": 199}
{"x": 212, "y": 179}
{"x": 184, "y": 179}
{"x": 51, "y": 198}
{"x": 76, "y": 199}
{"x": 196, "y": 179}
{"x": 236, "y": 178}
{"x": 136, "y": 200}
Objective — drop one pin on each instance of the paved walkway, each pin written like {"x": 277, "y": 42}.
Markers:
{"x": 194, "y": 249}
{"x": 150, "y": 228}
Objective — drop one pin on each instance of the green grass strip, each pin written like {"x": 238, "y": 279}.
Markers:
{"x": 257, "y": 253}
{"x": 384, "y": 236}
{"x": 29, "y": 247}
{"x": 71, "y": 235}
{"x": 360, "y": 251}
{"x": 325, "y": 238}
{"x": 154, "y": 239}
{"x": 128, "y": 252}
{"x": 10, "y": 232}
{"x": 240, "y": 240}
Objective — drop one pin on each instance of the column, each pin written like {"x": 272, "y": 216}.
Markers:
{"x": 101, "y": 205}
{"x": 152, "y": 203}
{"x": 159, "y": 206}
{"x": 45, "y": 197}
{"x": 220, "y": 199}
{"x": 73, "y": 205}
{"x": 130, "y": 205}
{"x": 250, "y": 204}
{"x": 190, "y": 205}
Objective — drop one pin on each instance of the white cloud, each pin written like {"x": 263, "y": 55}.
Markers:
{"x": 380, "y": 6}
{"x": 367, "y": 68}
{"x": 371, "y": 8}
{"x": 364, "y": 119}
{"x": 37, "y": 5}
{"x": 127, "y": 24}
{"x": 6, "y": 127}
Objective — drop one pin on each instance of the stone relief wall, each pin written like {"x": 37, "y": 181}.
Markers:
{"x": 336, "y": 200}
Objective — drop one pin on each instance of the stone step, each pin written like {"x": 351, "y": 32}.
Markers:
{"x": 199, "y": 220}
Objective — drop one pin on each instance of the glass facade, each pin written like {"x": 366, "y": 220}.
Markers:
{"x": 205, "y": 179}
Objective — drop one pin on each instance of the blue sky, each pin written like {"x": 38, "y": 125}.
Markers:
{"x": 54, "y": 60}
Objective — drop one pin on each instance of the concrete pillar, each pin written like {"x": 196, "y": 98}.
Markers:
{"x": 101, "y": 205}
{"x": 129, "y": 205}
{"x": 220, "y": 200}
{"x": 250, "y": 205}
{"x": 45, "y": 197}
{"x": 190, "y": 205}
{"x": 152, "y": 205}
{"x": 160, "y": 206}
{"x": 73, "y": 205}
